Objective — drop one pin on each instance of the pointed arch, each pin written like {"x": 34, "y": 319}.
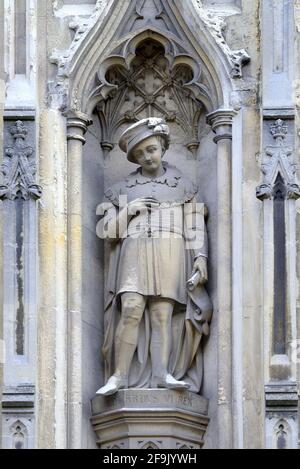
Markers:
{"x": 101, "y": 39}
{"x": 19, "y": 435}
{"x": 205, "y": 84}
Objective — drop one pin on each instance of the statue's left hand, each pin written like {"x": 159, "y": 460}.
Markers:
{"x": 200, "y": 266}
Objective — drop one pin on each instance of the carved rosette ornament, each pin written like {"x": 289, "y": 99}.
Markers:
{"x": 18, "y": 170}
{"x": 278, "y": 159}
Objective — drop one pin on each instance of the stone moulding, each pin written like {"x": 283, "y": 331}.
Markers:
{"x": 18, "y": 416}
{"x": 150, "y": 419}
{"x": 18, "y": 397}
{"x": 18, "y": 170}
{"x": 278, "y": 159}
{"x": 281, "y": 399}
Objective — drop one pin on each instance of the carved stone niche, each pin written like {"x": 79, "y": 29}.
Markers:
{"x": 158, "y": 82}
{"x": 151, "y": 76}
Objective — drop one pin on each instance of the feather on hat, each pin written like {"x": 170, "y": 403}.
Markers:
{"x": 140, "y": 131}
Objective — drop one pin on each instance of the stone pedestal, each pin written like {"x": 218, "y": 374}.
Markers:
{"x": 150, "y": 419}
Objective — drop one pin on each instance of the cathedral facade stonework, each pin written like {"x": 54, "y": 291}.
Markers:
{"x": 115, "y": 332}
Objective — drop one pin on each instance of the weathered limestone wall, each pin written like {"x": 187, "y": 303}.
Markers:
{"x": 19, "y": 225}
{"x": 279, "y": 198}
{"x": 52, "y": 310}
{"x": 2, "y": 100}
{"x": 249, "y": 368}
{"x": 297, "y": 155}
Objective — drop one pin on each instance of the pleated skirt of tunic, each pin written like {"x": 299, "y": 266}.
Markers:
{"x": 154, "y": 267}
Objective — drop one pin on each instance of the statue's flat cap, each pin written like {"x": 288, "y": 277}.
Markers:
{"x": 140, "y": 131}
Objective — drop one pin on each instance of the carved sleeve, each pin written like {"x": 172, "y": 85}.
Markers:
{"x": 190, "y": 190}
{"x": 195, "y": 228}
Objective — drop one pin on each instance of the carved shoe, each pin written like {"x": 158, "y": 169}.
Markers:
{"x": 171, "y": 383}
{"x": 112, "y": 386}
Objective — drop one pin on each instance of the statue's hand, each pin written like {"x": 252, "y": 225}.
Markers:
{"x": 200, "y": 266}
{"x": 141, "y": 205}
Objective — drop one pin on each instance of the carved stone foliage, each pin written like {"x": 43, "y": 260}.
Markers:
{"x": 81, "y": 27}
{"x": 18, "y": 169}
{"x": 216, "y": 24}
{"x": 278, "y": 159}
{"x": 143, "y": 13}
{"x": 77, "y": 67}
{"x": 151, "y": 86}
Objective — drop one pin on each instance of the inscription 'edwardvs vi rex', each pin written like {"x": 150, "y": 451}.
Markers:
{"x": 157, "y": 308}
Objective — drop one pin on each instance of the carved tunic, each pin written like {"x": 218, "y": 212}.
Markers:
{"x": 154, "y": 260}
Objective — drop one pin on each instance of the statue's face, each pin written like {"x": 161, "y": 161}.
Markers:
{"x": 148, "y": 154}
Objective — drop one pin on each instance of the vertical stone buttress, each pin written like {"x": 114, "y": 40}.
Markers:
{"x": 279, "y": 192}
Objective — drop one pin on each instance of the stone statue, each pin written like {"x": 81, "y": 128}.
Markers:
{"x": 157, "y": 308}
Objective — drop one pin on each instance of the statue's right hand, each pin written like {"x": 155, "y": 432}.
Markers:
{"x": 141, "y": 205}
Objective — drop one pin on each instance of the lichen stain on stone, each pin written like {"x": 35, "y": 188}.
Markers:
{"x": 61, "y": 239}
{"x": 19, "y": 207}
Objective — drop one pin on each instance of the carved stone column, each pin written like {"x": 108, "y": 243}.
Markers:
{"x": 221, "y": 123}
{"x": 77, "y": 126}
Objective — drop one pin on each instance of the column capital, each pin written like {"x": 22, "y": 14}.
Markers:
{"x": 221, "y": 123}
{"x": 77, "y": 123}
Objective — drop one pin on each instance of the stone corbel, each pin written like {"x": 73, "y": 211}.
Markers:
{"x": 264, "y": 191}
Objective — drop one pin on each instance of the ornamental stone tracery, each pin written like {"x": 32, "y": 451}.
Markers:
{"x": 150, "y": 88}
{"x": 278, "y": 159}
